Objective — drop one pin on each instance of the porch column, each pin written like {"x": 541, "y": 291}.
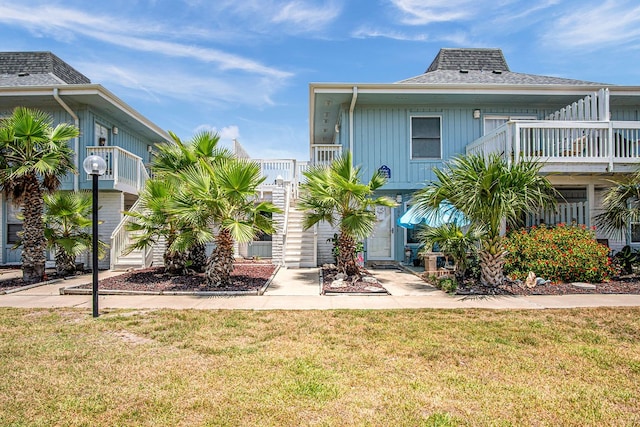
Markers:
{"x": 591, "y": 202}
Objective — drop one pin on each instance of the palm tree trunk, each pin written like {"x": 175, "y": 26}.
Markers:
{"x": 491, "y": 268}
{"x": 33, "y": 243}
{"x": 220, "y": 263}
{"x": 197, "y": 257}
{"x": 65, "y": 263}
{"x": 347, "y": 263}
{"x": 174, "y": 261}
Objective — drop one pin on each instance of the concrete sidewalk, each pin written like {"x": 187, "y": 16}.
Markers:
{"x": 298, "y": 289}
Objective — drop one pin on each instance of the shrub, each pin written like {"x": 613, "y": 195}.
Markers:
{"x": 448, "y": 284}
{"x": 561, "y": 254}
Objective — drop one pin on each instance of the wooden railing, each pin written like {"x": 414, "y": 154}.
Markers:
{"x": 565, "y": 213}
{"x": 324, "y": 154}
{"x": 594, "y": 107}
{"x": 609, "y": 142}
{"x": 125, "y": 169}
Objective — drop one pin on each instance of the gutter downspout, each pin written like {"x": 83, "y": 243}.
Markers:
{"x": 351, "y": 108}
{"x": 76, "y": 141}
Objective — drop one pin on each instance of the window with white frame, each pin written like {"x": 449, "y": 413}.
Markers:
{"x": 426, "y": 137}
{"x": 102, "y": 135}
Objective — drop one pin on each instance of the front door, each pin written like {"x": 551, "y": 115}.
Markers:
{"x": 380, "y": 243}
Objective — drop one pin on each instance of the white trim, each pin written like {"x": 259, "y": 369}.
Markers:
{"x": 423, "y": 116}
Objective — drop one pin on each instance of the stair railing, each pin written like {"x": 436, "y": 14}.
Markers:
{"x": 120, "y": 240}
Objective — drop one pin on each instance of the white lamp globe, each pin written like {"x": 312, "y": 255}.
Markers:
{"x": 94, "y": 165}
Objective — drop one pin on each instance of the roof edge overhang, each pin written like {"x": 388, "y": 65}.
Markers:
{"x": 394, "y": 88}
{"x": 86, "y": 90}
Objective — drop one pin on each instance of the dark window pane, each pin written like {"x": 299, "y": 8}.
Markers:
{"x": 635, "y": 233}
{"x": 412, "y": 236}
{"x": 425, "y": 137}
{"x": 12, "y": 233}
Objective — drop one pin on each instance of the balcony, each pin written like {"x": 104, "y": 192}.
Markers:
{"x": 324, "y": 154}
{"x": 566, "y": 146}
{"x": 124, "y": 169}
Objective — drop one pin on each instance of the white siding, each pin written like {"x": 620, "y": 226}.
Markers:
{"x": 110, "y": 213}
{"x": 616, "y": 241}
{"x": 325, "y": 232}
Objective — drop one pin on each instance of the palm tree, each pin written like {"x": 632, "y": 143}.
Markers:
{"x": 67, "y": 231}
{"x": 336, "y": 194}
{"x": 490, "y": 193}
{"x": 154, "y": 220}
{"x": 453, "y": 241}
{"x": 621, "y": 205}
{"x": 219, "y": 203}
{"x": 34, "y": 155}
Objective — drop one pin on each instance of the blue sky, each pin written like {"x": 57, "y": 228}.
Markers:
{"x": 242, "y": 67}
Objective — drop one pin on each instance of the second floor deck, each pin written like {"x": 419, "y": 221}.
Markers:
{"x": 566, "y": 146}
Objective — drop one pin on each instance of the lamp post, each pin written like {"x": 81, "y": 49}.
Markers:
{"x": 95, "y": 166}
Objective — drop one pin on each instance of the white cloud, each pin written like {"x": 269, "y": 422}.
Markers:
{"x": 173, "y": 82}
{"x": 592, "y": 28}
{"x": 424, "y": 12}
{"x": 363, "y": 33}
{"x": 306, "y": 17}
{"x": 227, "y": 133}
{"x": 65, "y": 24}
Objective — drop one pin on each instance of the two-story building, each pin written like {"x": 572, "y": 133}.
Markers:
{"x": 108, "y": 127}
{"x": 469, "y": 101}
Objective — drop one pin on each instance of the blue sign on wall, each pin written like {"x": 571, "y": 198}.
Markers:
{"x": 385, "y": 171}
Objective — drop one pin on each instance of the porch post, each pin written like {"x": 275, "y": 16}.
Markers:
{"x": 591, "y": 203}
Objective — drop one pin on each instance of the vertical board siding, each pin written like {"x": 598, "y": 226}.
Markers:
{"x": 382, "y": 137}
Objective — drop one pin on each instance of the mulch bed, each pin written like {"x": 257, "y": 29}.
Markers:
{"x": 246, "y": 277}
{"x": 251, "y": 276}
{"x": 351, "y": 285}
{"x": 622, "y": 285}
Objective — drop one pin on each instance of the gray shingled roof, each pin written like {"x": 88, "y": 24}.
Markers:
{"x": 469, "y": 59}
{"x": 37, "y": 69}
{"x": 481, "y": 66}
{"x": 7, "y": 80}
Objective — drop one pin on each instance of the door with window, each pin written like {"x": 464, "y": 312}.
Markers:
{"x": 380, "y": 243}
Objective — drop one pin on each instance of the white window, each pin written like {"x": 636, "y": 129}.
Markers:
{"x": 426, "y": 138}
{"x": 102, "y": 135}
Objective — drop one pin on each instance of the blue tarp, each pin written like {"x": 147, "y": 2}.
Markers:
{"x": 446, "y": 214}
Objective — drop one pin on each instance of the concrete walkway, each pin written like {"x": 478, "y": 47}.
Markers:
{"x": 298, "y": 289}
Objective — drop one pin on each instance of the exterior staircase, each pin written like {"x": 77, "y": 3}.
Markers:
{"x": 299, "y": 248}
{"x": 120, "y": 240}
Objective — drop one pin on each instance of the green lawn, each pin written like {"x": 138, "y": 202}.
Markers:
{"x": 329, "y": 368}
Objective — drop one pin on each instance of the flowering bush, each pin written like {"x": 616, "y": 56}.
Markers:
{"x": 561, "y": 254}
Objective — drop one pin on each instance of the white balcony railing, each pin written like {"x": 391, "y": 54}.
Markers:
{"x": 324, "y": 154}
{"x": 564, "y": 142}
{"x": 125, "y": 169}
{"x": 565, "y": 213}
